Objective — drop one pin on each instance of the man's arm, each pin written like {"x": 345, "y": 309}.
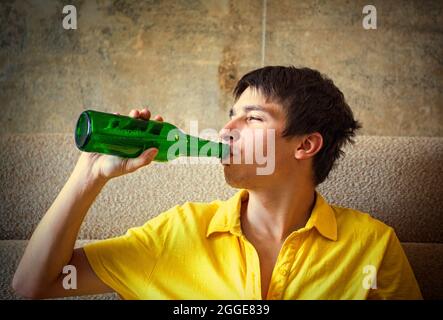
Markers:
{"x": 51, "y": 247}
{"x": 395, "y": 277}
{"x": 39, "y": 274}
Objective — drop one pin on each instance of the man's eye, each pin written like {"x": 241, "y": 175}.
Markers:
{"x": 253, "y": 119}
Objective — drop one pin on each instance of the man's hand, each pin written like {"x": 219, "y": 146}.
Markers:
{"x": 51, "y": 247}
{"x": 105, "y": 167}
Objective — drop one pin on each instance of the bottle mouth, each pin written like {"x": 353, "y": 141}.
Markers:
{"x": 225, "y": 150}
{"x": 83, "y": 130}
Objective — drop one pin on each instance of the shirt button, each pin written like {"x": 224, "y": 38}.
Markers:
{"x": 284, "y": 271}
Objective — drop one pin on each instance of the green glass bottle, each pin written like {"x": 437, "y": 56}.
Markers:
{"x": 128, "y": 137}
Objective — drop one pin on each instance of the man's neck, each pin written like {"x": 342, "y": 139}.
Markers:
{"x": 275, "y": 213}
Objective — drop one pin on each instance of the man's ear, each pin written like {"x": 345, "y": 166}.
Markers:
{"x": 308, "y": 146}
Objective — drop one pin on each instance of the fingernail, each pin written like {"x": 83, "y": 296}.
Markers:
{"x": 153, "y": 153}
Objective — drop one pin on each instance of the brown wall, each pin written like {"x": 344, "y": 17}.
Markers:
{"x": 182, "y": 58}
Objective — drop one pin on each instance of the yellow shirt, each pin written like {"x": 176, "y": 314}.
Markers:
{"x": 198, "y": 251}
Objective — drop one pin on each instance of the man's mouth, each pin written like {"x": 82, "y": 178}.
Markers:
{"x": 234, "y": 152}
{"x": 230, "y": 158}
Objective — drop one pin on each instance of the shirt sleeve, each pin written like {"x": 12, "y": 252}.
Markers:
{"x": 126, "y": 263}
{"x": 395, "y": 278}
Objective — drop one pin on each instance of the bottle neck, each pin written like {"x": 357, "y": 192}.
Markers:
{"x": 197, "y": 147}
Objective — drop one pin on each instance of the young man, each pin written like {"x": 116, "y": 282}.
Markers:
{"x": 277, "y": 238}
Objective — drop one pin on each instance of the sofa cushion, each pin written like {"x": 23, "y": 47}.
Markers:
{"x": 395, "y": 179}
{"x": 11, "y": 252}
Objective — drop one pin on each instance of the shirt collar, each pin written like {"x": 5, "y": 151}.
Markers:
{"x": 323, "y": 218}
{"x": 227, "y": 217}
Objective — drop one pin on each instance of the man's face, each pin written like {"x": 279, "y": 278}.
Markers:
{"x": 260, "y": 156}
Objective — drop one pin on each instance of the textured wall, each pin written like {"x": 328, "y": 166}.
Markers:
{"x": 182, "y": 58}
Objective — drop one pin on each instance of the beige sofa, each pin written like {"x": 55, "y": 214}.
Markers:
{"x": 396, "y": 179}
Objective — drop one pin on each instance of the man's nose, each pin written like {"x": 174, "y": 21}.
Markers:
{"x": 229, "y": 135}
{"x": 225, "y": 135}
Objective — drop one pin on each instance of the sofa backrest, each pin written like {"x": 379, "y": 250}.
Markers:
{"x": 396, "y": 179}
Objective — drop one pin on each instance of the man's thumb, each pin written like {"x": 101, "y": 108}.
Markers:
{"x": 143, "y": 159}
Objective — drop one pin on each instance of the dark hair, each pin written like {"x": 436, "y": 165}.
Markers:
{"x": 312, "y": 104}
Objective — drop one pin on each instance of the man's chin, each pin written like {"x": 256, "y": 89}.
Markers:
{"x": 235, "y": 176}
{"x": 235, "y": 184}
